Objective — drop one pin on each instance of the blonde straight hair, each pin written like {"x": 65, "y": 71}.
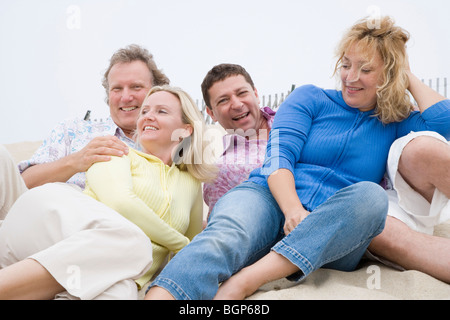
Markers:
{"x": 393, "y": 101}
{"x": 189, "y": 154}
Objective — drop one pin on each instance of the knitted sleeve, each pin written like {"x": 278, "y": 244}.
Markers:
{"x": 290, "y": 130}
{"x": 112, "y": 184}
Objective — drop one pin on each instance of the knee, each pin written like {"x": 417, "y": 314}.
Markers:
{"x": 239, "y": 225}
{"x": 137, "y": 247}
{"x": 33, "y": 197}
{"x": 40, "y": 199}
{"x": 41, "y": 193}
{"x": 224, "y": 233}
{"x": 144, "y": 249}
{"x": 422, "y": 151}
{"x": 4, "y": 154}
{"x": 372, "y": 194}
{"x": 235, "y": 223}
{"x": 372, "y": 203}
{"x": 415, "y": 151}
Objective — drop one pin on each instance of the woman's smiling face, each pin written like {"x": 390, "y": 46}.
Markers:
{"x": 361, "y": 77}
{"x": 160, "y": 121}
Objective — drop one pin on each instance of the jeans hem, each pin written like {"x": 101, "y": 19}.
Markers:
{"x": 295, "y": 258}
{"x": 171, "y": 287}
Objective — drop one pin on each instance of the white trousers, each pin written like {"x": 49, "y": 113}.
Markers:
{"x": 90, "y": 249}
{"x": 405, "y": 203}
{"x": 11, "y": 182}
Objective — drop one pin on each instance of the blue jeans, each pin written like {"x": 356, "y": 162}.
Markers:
{"x": 247, "y": 223}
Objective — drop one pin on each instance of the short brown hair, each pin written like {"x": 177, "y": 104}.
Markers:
{"x": 220, "y": 73}
{"x": 132, "y": 53}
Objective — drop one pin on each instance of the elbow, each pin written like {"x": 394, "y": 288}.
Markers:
{"x": 118, "y": 206}
{"x": 117, "y": 203}
{"x": 30, "y": 180}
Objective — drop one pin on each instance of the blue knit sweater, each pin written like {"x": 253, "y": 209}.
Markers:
{"x": 328, "y": 145}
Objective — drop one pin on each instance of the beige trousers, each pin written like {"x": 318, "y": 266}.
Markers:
{"x": 11, "y": 182}
{"x": 90, "y": 249}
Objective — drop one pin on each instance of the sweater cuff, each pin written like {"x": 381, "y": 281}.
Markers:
{"x": 436, "y": 110}
{"x": 273, "y": 164}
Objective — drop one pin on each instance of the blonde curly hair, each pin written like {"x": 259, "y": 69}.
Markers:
{"x": 393, "y": 101}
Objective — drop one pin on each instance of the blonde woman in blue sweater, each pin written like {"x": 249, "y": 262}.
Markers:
{"x": 58, "y": 241}
{"x": 316, "y": 201}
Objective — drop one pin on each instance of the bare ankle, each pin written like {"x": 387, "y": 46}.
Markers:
{"x": 158, "y": 293}
{"x": 239, "y": 286}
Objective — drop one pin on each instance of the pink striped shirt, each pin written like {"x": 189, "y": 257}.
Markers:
{"x": 239, "y": 158}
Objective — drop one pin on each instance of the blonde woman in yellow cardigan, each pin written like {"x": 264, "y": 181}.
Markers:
{"x": 57, "y": 241}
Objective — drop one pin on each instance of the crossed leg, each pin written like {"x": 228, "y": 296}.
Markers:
{"x": 425, "y": 166}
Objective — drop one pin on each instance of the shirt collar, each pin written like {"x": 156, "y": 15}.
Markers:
{"x": 232, "y": 139}
{"x": 115, "y": 130}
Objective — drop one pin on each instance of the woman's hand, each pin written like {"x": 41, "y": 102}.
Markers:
{"x": 293, "y": 218}
{"x": 282, "y": 186}
{"x": 422, "y": 94}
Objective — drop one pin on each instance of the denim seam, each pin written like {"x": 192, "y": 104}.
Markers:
{"x": 267, "y": 195}
{"x": 288, "y": 252}
{"x": 171, "y": 285}
{"x": 368, "y": 239}
{"x": 257, "y": 253}
{"x": 344, "y": 253}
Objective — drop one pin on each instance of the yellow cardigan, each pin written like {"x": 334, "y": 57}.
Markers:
{"x": 163, "y": 201}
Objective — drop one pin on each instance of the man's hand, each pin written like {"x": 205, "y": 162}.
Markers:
{"x": 100, "y": 149}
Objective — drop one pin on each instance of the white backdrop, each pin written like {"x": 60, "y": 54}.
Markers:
{"x": 53, "y": 53}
